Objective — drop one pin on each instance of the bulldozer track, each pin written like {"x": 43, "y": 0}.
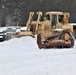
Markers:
{"x": 52, "y": 42}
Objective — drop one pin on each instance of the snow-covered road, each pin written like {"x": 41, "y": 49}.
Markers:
{"x": 21, "y": 56}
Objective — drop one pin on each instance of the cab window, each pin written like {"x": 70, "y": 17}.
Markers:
{"x": 54, "y": 21}
{"x": 48, "y": 17}
{"x": 60, "y": 17}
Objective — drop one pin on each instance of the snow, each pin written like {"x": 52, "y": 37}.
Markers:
{"x": 23, "y": 28}
{"x": 21, "y": 56}
{"x": 72, "y": 23}
{"x": 5, "y": 28}
{"x": 2, "y": 29}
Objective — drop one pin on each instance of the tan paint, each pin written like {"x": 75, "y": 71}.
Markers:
{"x": 45, "y": 26}
{"x": 30, "y": 19}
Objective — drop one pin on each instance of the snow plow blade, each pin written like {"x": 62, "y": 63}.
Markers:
{"x": 20, "y": 34}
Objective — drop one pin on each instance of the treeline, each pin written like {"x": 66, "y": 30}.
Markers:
{"x": 14, "y": 11}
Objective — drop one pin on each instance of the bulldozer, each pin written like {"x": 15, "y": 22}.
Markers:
{"x": 53, "y": 30}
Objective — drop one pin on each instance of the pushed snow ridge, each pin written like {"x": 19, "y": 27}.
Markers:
{"x": 21, "y": 56}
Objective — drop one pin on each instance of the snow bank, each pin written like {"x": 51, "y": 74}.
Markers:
{"x": 2, "y": 28}
{"x": 21, "y": 56}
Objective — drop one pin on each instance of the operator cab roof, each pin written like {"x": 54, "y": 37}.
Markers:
{"x": 55, "y": 12}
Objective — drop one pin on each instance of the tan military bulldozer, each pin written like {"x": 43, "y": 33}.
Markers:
{"x": 53, "y": 30}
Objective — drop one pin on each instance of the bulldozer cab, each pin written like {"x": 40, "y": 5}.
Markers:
{"x": 56, "y": 17}
{"x": 54, "y": 21}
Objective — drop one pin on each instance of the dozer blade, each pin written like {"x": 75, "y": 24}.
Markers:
{"x": 25, "y": 33}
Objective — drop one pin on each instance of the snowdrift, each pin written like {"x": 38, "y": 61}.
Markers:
{"x": 21, "y": 56}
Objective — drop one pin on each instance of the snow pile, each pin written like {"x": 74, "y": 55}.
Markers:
{"x": 21, "y": 56}
{"x": 3, "y": 29}
{"x": 23, "y": 28}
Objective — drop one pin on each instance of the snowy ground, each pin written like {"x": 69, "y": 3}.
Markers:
{"x": 21, "y": 56}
